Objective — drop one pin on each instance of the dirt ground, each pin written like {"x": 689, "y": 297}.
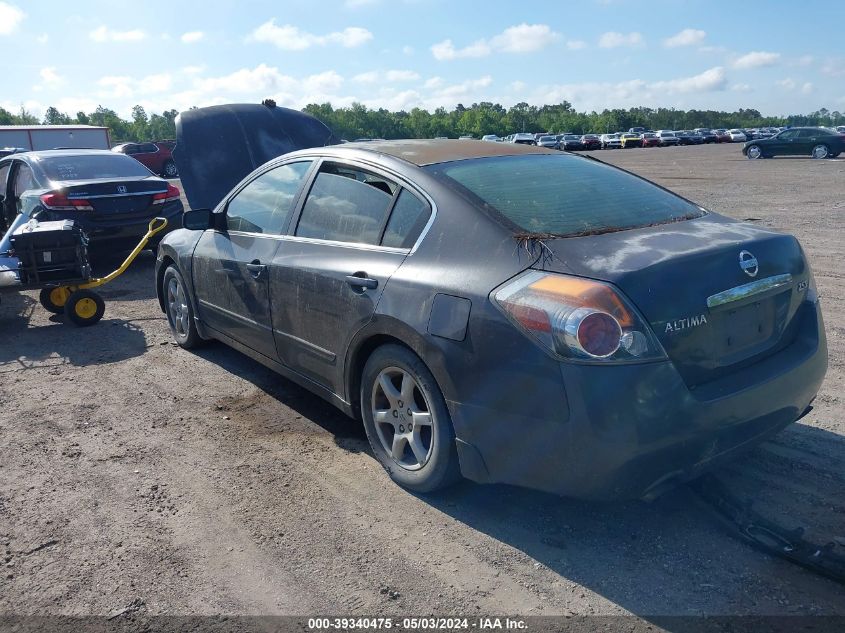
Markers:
{"x": 133, "y": 472}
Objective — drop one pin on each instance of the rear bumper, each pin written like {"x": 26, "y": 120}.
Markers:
{"x": 632, "y": 431}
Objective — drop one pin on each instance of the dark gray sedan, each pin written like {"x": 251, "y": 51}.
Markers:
{"x": 494, "y": 311}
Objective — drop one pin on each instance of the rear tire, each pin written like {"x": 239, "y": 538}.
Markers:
{"x": 820, "y": 152}
{"x": 407, "y": 422}
{"x": 54, "y": 299}
{"x": 84, "y": 307}
{"x": 177, "y": 306}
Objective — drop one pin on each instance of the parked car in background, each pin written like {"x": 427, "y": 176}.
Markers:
{"x": 523, "y": 138}
{"x": 637, "y": 130}
{"x": 157, "y": 157}
{"x": 840, "y": 129}
{"x": 591, "y": 141}
{"x": 737, "y": 135}
{"x": 722, "y": 136}
{"x": 667, "y": 138}
{"x": 571, "y": 142}
{"x": 688, "y": 137}
{"x": 549, "y": 141}
{"x": 818, "y": 142}
{"x": 491, "y": 137}
{"x": 708, "y": 135}
{"x": 110, "y": 196}
{"x": 650, "y": 139}
{"x": 610, "y": 141}
{"x": 630, "y": 139}
{"x": 610, "y": 369}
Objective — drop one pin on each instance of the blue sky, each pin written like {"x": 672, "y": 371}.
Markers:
{"x": 400, "y": 54}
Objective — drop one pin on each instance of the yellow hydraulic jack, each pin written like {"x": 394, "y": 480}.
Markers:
{"x": 79, "y": 302}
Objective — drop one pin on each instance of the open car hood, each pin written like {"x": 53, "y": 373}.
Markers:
{"x": 216, "y": 147}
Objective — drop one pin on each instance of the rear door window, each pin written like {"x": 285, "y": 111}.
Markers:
{"x": 346, "y": 204}
{"x": 265, "y": 204}
{"x": 407, "y": 220}
{"x": 563, "y": 195}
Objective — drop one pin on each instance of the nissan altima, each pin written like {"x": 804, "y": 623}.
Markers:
{"x": 492, "y": 311}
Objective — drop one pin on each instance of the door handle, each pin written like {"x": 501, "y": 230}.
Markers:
{"x": 256, "y": 269}
{"x": 361, "y": 280}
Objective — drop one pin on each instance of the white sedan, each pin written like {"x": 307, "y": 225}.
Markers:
{"x": 737, "y": 136}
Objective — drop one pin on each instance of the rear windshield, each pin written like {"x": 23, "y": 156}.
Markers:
{"x": 564, "y": 195}
{"x": 84, "y": 167}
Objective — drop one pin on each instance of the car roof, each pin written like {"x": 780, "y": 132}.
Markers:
{"x": 54, "y": 153}
{"x": 422, "y": 152}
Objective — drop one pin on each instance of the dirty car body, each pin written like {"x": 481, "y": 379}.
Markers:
{"x": 610, "y": 353}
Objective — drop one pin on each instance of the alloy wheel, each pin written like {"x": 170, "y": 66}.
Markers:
{"x": 402, "y": 418}
{"x": 754, "y": 152}
{"x": 177, "y": 307}
{"x": 820, "y": 151}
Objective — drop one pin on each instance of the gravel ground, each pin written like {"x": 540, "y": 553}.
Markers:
{"x": 134, "y": 473}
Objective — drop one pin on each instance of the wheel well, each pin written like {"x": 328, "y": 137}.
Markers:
{"x": 165, "y": 262}
{"x": 360, "y": 358}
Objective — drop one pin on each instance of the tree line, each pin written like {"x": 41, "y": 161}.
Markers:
{"x": 358, "y": 121}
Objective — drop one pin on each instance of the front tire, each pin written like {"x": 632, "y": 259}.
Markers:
{"x": 754, "y": 152}
{"x": 407, "y": 422}
{"x": 820, "y": 152}
{"x": 180, "y": 314}
{"x": 84, "y": 307}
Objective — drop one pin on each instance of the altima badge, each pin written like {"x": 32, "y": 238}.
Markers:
{"x": 685, "y": 324}
{"x": 748, "y": 263}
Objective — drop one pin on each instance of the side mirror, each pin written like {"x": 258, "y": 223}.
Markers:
{"x": 198, "y": 219}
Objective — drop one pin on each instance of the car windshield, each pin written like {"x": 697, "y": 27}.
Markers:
{"x": 544, "y": 139}
{"x": 88, "y": 166}
{"x": 564, "y": 195}
{"x": 572, "y": 137}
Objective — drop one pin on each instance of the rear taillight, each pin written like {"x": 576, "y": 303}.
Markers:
{"x": 577, "y": 318}
{"x": 57, "y": 201}
{"x": 172, "y": 193}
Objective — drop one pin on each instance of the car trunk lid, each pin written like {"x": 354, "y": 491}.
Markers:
{"x": 693, "y": 282}
{"x": 218, "y": 146}
{"x": 115, "y": 199}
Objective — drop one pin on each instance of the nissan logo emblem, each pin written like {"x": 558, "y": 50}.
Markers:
{"x": 748, "y": 263}
{"x": 121, "y": 189}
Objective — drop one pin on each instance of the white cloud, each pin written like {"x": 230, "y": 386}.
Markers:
{"x": 786, "y": 84}
{"x": 192, "y": 37}
{"x": 633, "y": 92}
{"x": 43, "y": 38}
{"x": 687, "y": 37}
{"x": 576, "y": 45}
{"x": 105, "y": 34}
{"x": 741, "y": 88}
{"x": 612, "y": 39}
{"x": 292, "y": 38}
{"x": 805, "y": 60}
{"x": 807, "y": 88}
{"x": 446, "y": 50}
{"x": 124, "y": 87}
{"x": 756, "y": 59}
{"x": 522, "y": 38}
{"x": 833, "y": 67}
{"x": 407, "y": 50}
{"x": 49, "y": 79}
{"x": 10, "y": 18}
{"x": 393, "y": 76}
{"x": 192, "y": 70}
